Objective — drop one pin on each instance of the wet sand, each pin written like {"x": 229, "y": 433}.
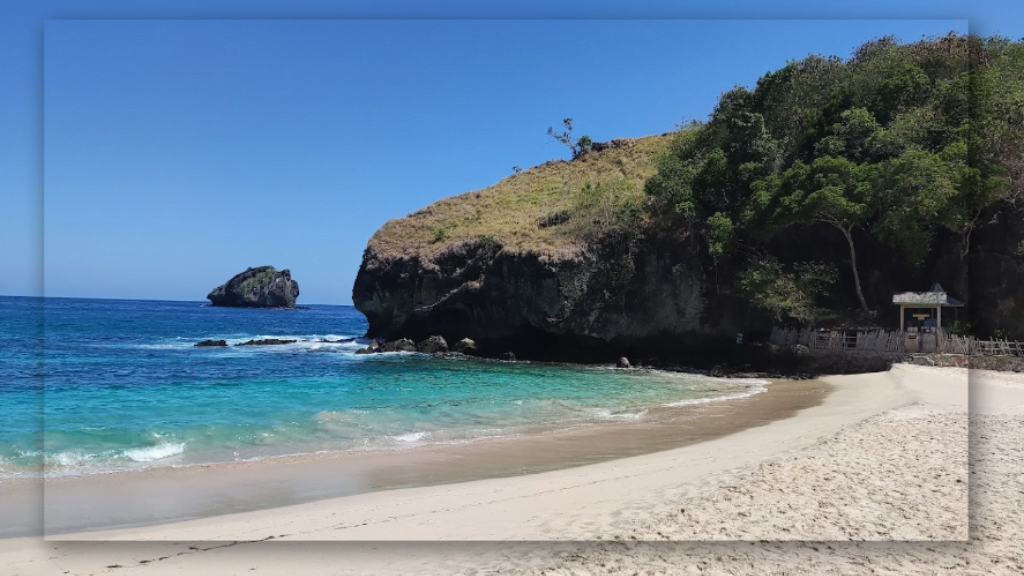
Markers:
{"x": 168, "y": 494}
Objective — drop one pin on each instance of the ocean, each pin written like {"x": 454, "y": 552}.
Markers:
{"x": 94, "y": 386}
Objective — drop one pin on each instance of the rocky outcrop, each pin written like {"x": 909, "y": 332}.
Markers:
{"x": 211, "y": 344}
{"x": 262, "y": 287}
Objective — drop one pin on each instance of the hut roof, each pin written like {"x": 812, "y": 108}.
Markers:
{"x": 937, "y": 296}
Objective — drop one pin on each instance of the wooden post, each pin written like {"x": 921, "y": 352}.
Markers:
{"x": 901, "y": 317}
{"x": 938, "y": 319}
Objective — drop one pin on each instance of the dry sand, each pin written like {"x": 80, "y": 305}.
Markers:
{"x": 884, "y": 457}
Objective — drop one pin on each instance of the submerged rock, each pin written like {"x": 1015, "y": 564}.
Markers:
{"x": 433, "y": 345}
{"x": 261, "y": 287}
{"x": 267, "y": 342}
{"x": 211, "y": 343}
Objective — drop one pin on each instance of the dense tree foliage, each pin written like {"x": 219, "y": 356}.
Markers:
{"x": 786, "y": 293}
{"x": 895, "y": 144}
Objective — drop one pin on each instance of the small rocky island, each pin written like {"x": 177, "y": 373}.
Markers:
{"x": 261, "y": 287}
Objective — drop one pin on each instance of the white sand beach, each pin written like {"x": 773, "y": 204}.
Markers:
{"x": 883, "y": 458}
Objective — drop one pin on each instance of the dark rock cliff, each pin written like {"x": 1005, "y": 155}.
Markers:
{"x": 650, "y": 299}
{"x": 261, "y": 287}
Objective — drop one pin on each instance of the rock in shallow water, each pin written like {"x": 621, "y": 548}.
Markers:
{"x": 433, "y": 345}
{"x": 466, "y": 346}
{"x": 400, "y": 345}
{"x": 211, "y": 343}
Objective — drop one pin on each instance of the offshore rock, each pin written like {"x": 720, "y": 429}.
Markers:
{"x": 211, "y": 343}
{"x": 623, "y": 363}
{"x": 261, "y": 287}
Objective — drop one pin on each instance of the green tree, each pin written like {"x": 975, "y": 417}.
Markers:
{"x": 720, "y": 236}
{"x": 832, "y": 191}
{"x": 579, "y": 146}
{"x": 786, "y": 293}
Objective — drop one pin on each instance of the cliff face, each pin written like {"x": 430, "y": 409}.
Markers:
{"x": 529, "y": 266}
{"x": 651, "y": 300}
{"x": 261, "y": 287}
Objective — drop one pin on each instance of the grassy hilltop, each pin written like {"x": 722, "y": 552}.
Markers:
{"x": 556, "y": 207}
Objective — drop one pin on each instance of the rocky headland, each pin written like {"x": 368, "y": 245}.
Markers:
{"x": 567, "y": 292}
{"x": 663, "y": 249}
{"x": 261, "y": 287}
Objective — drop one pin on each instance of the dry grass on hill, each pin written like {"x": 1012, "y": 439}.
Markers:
{"x": 548, "y": 209}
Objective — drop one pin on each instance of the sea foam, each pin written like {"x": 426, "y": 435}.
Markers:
{"x": 158, "y": 452}
{"x": 752, "y": 390}
{"x": 411, "y": 437}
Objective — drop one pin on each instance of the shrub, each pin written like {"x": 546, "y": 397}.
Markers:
{"x": 958, "y": 328}
{"x": 555, "y": 218}
{"x": 488, "y": 243}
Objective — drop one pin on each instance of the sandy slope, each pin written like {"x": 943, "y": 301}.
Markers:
{"x": 869, "y": 464}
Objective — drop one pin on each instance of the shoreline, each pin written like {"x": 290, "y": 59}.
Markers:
{"x": 175, "y": 448}
{"x": 540, "y": 506}
{"x": 609, "y": 497}
{"x": 135, "y": 498}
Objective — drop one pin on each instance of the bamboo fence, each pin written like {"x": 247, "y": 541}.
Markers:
{"x": 892, "y": 341}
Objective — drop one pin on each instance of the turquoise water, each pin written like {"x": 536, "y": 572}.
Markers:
{"x": 101, "y": 385}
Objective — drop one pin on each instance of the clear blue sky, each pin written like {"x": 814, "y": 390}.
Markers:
{"x": 178, "y": 152}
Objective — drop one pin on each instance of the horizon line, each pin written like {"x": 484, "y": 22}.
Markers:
{"x": 146, "y": 300}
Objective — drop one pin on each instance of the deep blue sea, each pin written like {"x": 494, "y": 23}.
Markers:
{"x": 92, "y": 386}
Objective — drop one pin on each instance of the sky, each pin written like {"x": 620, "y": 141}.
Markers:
{"x": 175, "y": 152}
